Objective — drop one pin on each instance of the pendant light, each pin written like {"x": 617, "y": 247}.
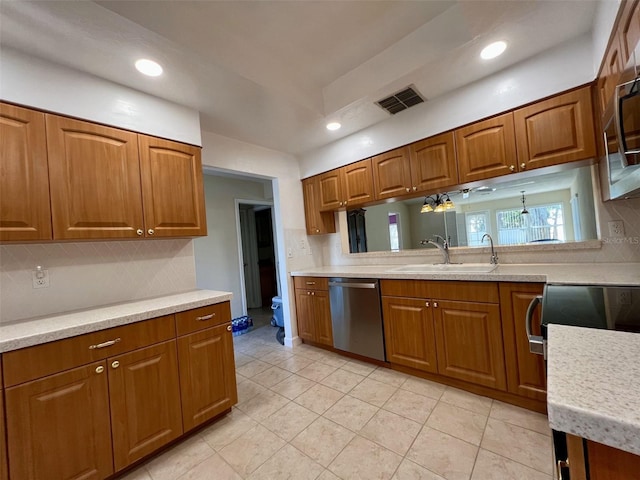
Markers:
{"x": 524, "y": 206}
{"x": 438, "y": 203}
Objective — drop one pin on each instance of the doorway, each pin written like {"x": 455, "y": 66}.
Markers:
{"x": 259, "y": 280}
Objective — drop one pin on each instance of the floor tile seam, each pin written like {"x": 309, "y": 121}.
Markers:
{"x": 522, "y": 426}
{"x": 421, "y": 394}
{"x": 269, "y": 458}
{"x": 514, "y": 461}
{"x": 403, "y": 455}
{"x": 455, "y": 436}
{"x": 368, "y": 403}
{"x": 215, "y": 452}
{"x": 466, "y": 408}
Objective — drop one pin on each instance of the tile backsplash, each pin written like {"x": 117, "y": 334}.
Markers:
{"x": 88, "y": 274}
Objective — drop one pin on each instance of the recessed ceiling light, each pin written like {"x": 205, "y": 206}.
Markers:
{"x": 333, "y": 126}
{"x": 148, "y": 67}
{"x": 493, "y": 50}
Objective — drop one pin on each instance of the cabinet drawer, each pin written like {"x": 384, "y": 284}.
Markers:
{"x": 482, "y": 292}
{"x": 311, "y": 283}
{"x": 201, "y": 318}
{"x": 40, "y": 360}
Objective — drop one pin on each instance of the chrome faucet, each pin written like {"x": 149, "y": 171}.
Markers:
{"x": 444, "y": 248}
{"x": 494, "y": 255}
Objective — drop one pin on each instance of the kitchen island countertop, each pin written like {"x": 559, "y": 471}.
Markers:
{"x": 593, "y": 385}
{"x": 25, "y": 333}
{"x": 567, "y": 273}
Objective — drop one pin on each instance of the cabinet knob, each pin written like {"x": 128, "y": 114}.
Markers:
{"x": 313, "y": 293}
{"x": 345, "y": 202}
{"x": 317, "y": 230}
{"x": 435, "y": 304}
{"x": 308, "y": 293}
{"x": 229, "y": 328}
{"x": 427, "y": 304}
{"x": 512, "y": 167}
{"x": 415, "y": 188}
{"x": 340, "y": 203}
{"x": 407, "y": 189}
{"x": 99, "y": 369}
{"x": 523, "y": 166}
{"x": 140, "y": 232}
{"x": 115, "y": 364}
{"x": 150, "y": 231}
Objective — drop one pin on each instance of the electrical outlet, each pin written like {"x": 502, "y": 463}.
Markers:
{"x": 40, "y": 278}
{"x": 616, "y": 228}
{"x": 624, "y": 297}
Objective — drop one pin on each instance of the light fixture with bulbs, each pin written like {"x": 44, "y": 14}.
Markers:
{"x": 524, "y": 207}
{"x": 333, "y": 126}
{"x": 148, "y": 67}
{"x": 438, "y": 203}
{"x": 493, "y": 50}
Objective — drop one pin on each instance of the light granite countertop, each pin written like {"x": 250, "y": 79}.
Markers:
{"x": 593, "y": 385}
{"x": 26, "y": 333}
{"x": 568, "y": 273}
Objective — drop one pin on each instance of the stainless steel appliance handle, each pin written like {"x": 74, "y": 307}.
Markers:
{"x": 352, "y": 285}
{"x": 536, "y": 342}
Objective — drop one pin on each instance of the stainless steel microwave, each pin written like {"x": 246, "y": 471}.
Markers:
{"x": 621, "y": 177}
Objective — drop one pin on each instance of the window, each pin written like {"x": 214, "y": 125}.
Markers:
{"x": 477, "y": 224}
{"x": 543, "y": 223}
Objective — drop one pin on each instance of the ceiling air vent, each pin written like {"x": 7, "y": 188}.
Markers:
{"x": 401, "y": 100}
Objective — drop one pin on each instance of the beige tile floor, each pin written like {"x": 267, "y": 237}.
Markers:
{"x": 306, "y": 413}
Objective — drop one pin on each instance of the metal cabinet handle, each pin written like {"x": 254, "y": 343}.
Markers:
{"x": 340, "y": 203}
{"x": 560, "y": 465}
{"x": 317, "y": 230}
{"x": 313, "y": 293}
{"x": 523, "y": 166}
{"x": 512, "y": 167}
{"x": 115, "y": 364}
{"x": 427, "y": 304}
{"x": 536, "y": 343}
{"x": 407, "y": 189}
{"x": 345, "y": 202}
{"x": 140, "y": 232}
{"x": 104, "y": 344}
{"x": 205, "y": 317}
{"x": 99, "y": 369}
{"x": 415, "y": 188}
{"x": 150, "y": 231}
{"x": 229, "y": 328}
{"x": 435, "y": 304}
{"x": 310, "y": 283}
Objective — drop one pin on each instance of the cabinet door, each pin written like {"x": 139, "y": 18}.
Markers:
{"x": 409, "y": 333}
{"x": 486, "y": 149}
{"x": 95, "y": 180}
{"x": 58, "y": 426}
{"x": 469, "y": 340}
{"x": 611, "y": 70}
{"x": 145, "y": 401}
{"x": 525, "y": 370}
{"x": 433, "y": 163}
{"x": 629, "y": 29}
{"x": 557, "y": 130}
{"x": 4, "y": 473}
{"x": 358, "y": 183}
{"x": 25, "y": 212}
{"x": 304, "y": 313}
{"x": 317, "y": 223}
{"x": 207, "y": 374}
{"x": 321, "y": 317}
{"x": 172, "y": 188}
{"x": 392, "y": 173}
{"x": 330, "y": 190}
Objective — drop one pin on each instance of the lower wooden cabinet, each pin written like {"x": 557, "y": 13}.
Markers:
{"x": 4, "y": 469}
{"x": 313, "y": 311}
{"x": 59, "y": 426}
{"x": 409, "y": 333}
{"x": 144, "y": 392}
{"x": 206, "y": 354}
{"x": 525, "y": 370}
{"x": 589, "y": 460}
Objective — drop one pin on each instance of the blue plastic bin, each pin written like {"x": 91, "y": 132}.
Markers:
{"x": 276, "y": 306}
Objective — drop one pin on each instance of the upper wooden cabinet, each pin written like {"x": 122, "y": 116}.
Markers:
{"x": 554, "y": 131}
{"x": 629, "y": 28}
{"x": 347, "y": 186}
{"x": 95, "y": 180}
{"x": 25, "y": 213}
{"x": 433, "y": 163}
{"x": 392, "y": 173}
{"x": 486, "y": 149}
{"x": 317, "y": 222}
{"x": 172, "y": 188}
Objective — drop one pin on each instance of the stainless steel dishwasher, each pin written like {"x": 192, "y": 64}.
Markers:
{"x": 356, "y": 316}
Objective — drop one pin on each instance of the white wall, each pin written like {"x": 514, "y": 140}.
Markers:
{"x": 217, "y": 256}
{"x": 47, "y": 86}
{"x": 296, "y": 251}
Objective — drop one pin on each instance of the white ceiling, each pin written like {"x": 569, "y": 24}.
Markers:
{"x": 273, "y": 73}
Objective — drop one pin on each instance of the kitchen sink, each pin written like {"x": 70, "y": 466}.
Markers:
{"x": 446, "y": 268}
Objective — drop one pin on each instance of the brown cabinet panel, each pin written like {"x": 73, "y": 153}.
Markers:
{"x": 443, "y": 290}
{"x": 317, "y": 222}
{"x": 25, "y": 212}
{"x": 322, "y": 318}
{"x": 486, "y": 149}
{"x": 409, "y": 333}
{"x": 58, "y": 426}
{"x": 557, "y": 130}
{"x": 330, "y": 188}
{"x": 172, "y": 188}
{"x": 95, "y": 180}
{"x": 311, "y": 283}
{"x": 433, "y": 163}
{"x": 304, "y": 311}
{"x": 207, "y": 374}
{"x": 203, "y": 317}
{"x": 608, "y": 463}
{"x": 629, "y": 29}
{"x": 313, "y": 311}
{"x": 525, "y": 370}
{"x": 392, "y": 173}
{"x": 610, "y": 73}
{"x": 469, "y": 340}
{"x": 145, "y": 402}
{"x": 4, "y": 471}
{"x": 358, "y": 183}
